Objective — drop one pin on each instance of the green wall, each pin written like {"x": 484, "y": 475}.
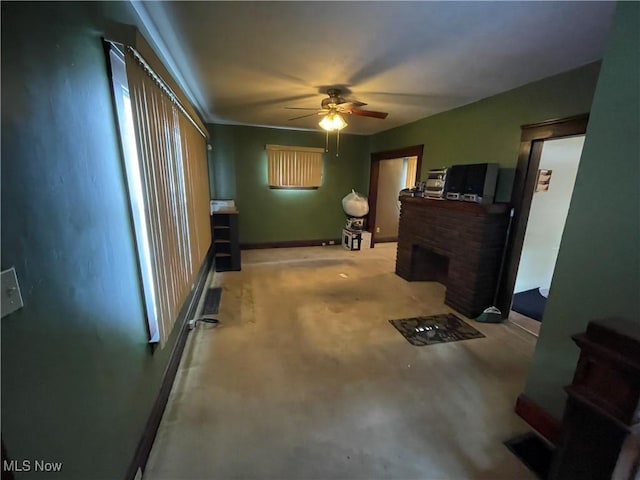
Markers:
{"x": 489, "y": 130}
{"x": 598, "y": 269}
{"x": 78, "y": 376}
{"x": 239, "y": 162}
{"x": 79, "y": 379}
{"x": 485, "y": 131}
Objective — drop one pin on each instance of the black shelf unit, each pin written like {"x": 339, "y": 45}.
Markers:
{"x": 226, "y": 244}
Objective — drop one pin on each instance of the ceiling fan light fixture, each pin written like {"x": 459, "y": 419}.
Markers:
{"x": 332, "y": 121}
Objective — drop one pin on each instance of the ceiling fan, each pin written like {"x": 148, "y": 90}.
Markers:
{"x": 335, "y": 104}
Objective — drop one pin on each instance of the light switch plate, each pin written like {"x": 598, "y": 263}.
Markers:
{"x": 10, "y": 292}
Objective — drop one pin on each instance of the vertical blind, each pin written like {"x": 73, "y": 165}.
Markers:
{"x": 411, "y": 165}
{"x": 172, "y": 160}
{"x": 294, "y": 167}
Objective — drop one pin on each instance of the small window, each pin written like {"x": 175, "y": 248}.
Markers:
{"x": 294, "y": 167}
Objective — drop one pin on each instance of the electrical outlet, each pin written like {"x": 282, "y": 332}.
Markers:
{"x": 332, "y": 242}
{"x": 11, "y": 298}
{"x": 377, "y": 229}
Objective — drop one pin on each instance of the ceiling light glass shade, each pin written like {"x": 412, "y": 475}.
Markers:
{"x": 333, "y": 121}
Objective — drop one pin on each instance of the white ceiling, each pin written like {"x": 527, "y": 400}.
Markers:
{"x": 244, "y": 62}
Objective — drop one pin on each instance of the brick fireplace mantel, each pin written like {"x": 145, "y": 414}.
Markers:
{"x": 458, "y": 244}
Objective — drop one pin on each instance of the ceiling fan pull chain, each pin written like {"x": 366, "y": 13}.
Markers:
{"x": 337, "y": 141}
{"x": 326, "y": 142}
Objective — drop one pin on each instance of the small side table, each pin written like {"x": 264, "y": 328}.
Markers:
{"x": 226, "y": 242}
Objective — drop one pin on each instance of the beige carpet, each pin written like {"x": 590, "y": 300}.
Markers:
{"x": 305, "y": 378}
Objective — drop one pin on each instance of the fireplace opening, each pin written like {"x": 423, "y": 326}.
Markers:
{"x": 429, "y": 266}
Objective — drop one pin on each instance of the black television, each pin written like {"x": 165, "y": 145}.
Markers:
{"x": 474, "y": 182}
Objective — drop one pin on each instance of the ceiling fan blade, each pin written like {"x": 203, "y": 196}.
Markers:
{"x": 348, "y": 104}
{"x": 368, "y": 113}
{"x": 300, "y": 108}
{"x": 303, "y": 116}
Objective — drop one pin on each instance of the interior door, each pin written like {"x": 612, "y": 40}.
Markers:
{"x": 557, "y": 170}
{"x": 531, "y": 141}
{"x": 376, "y": 158}
{"x": 394, "y": 175}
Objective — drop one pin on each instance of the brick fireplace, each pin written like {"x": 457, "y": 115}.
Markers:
{"x": 458, "y": 244}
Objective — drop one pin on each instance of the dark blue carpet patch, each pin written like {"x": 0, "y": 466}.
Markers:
{"x": 530, "y": 303}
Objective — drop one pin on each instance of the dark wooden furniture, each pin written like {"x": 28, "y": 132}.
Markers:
{"x": 226, "y": 242}
{"x": 458, "y": 244}
{"x": 602, "y": 407}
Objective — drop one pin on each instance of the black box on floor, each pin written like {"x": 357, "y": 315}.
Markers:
{"x": 351, "y": 239}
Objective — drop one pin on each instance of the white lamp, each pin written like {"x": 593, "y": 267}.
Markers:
{"x": 332, "y": 121}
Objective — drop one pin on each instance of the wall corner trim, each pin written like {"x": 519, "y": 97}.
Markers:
{"x": 539, "y": 419}
{"x": 292, "y": 244}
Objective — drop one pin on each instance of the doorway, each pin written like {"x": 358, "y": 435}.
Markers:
{"x": 391, "y": 171}
{"x": 394, "y": 175}
{"x": 557, "y": 172}
{"x": 543, "y": 185}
